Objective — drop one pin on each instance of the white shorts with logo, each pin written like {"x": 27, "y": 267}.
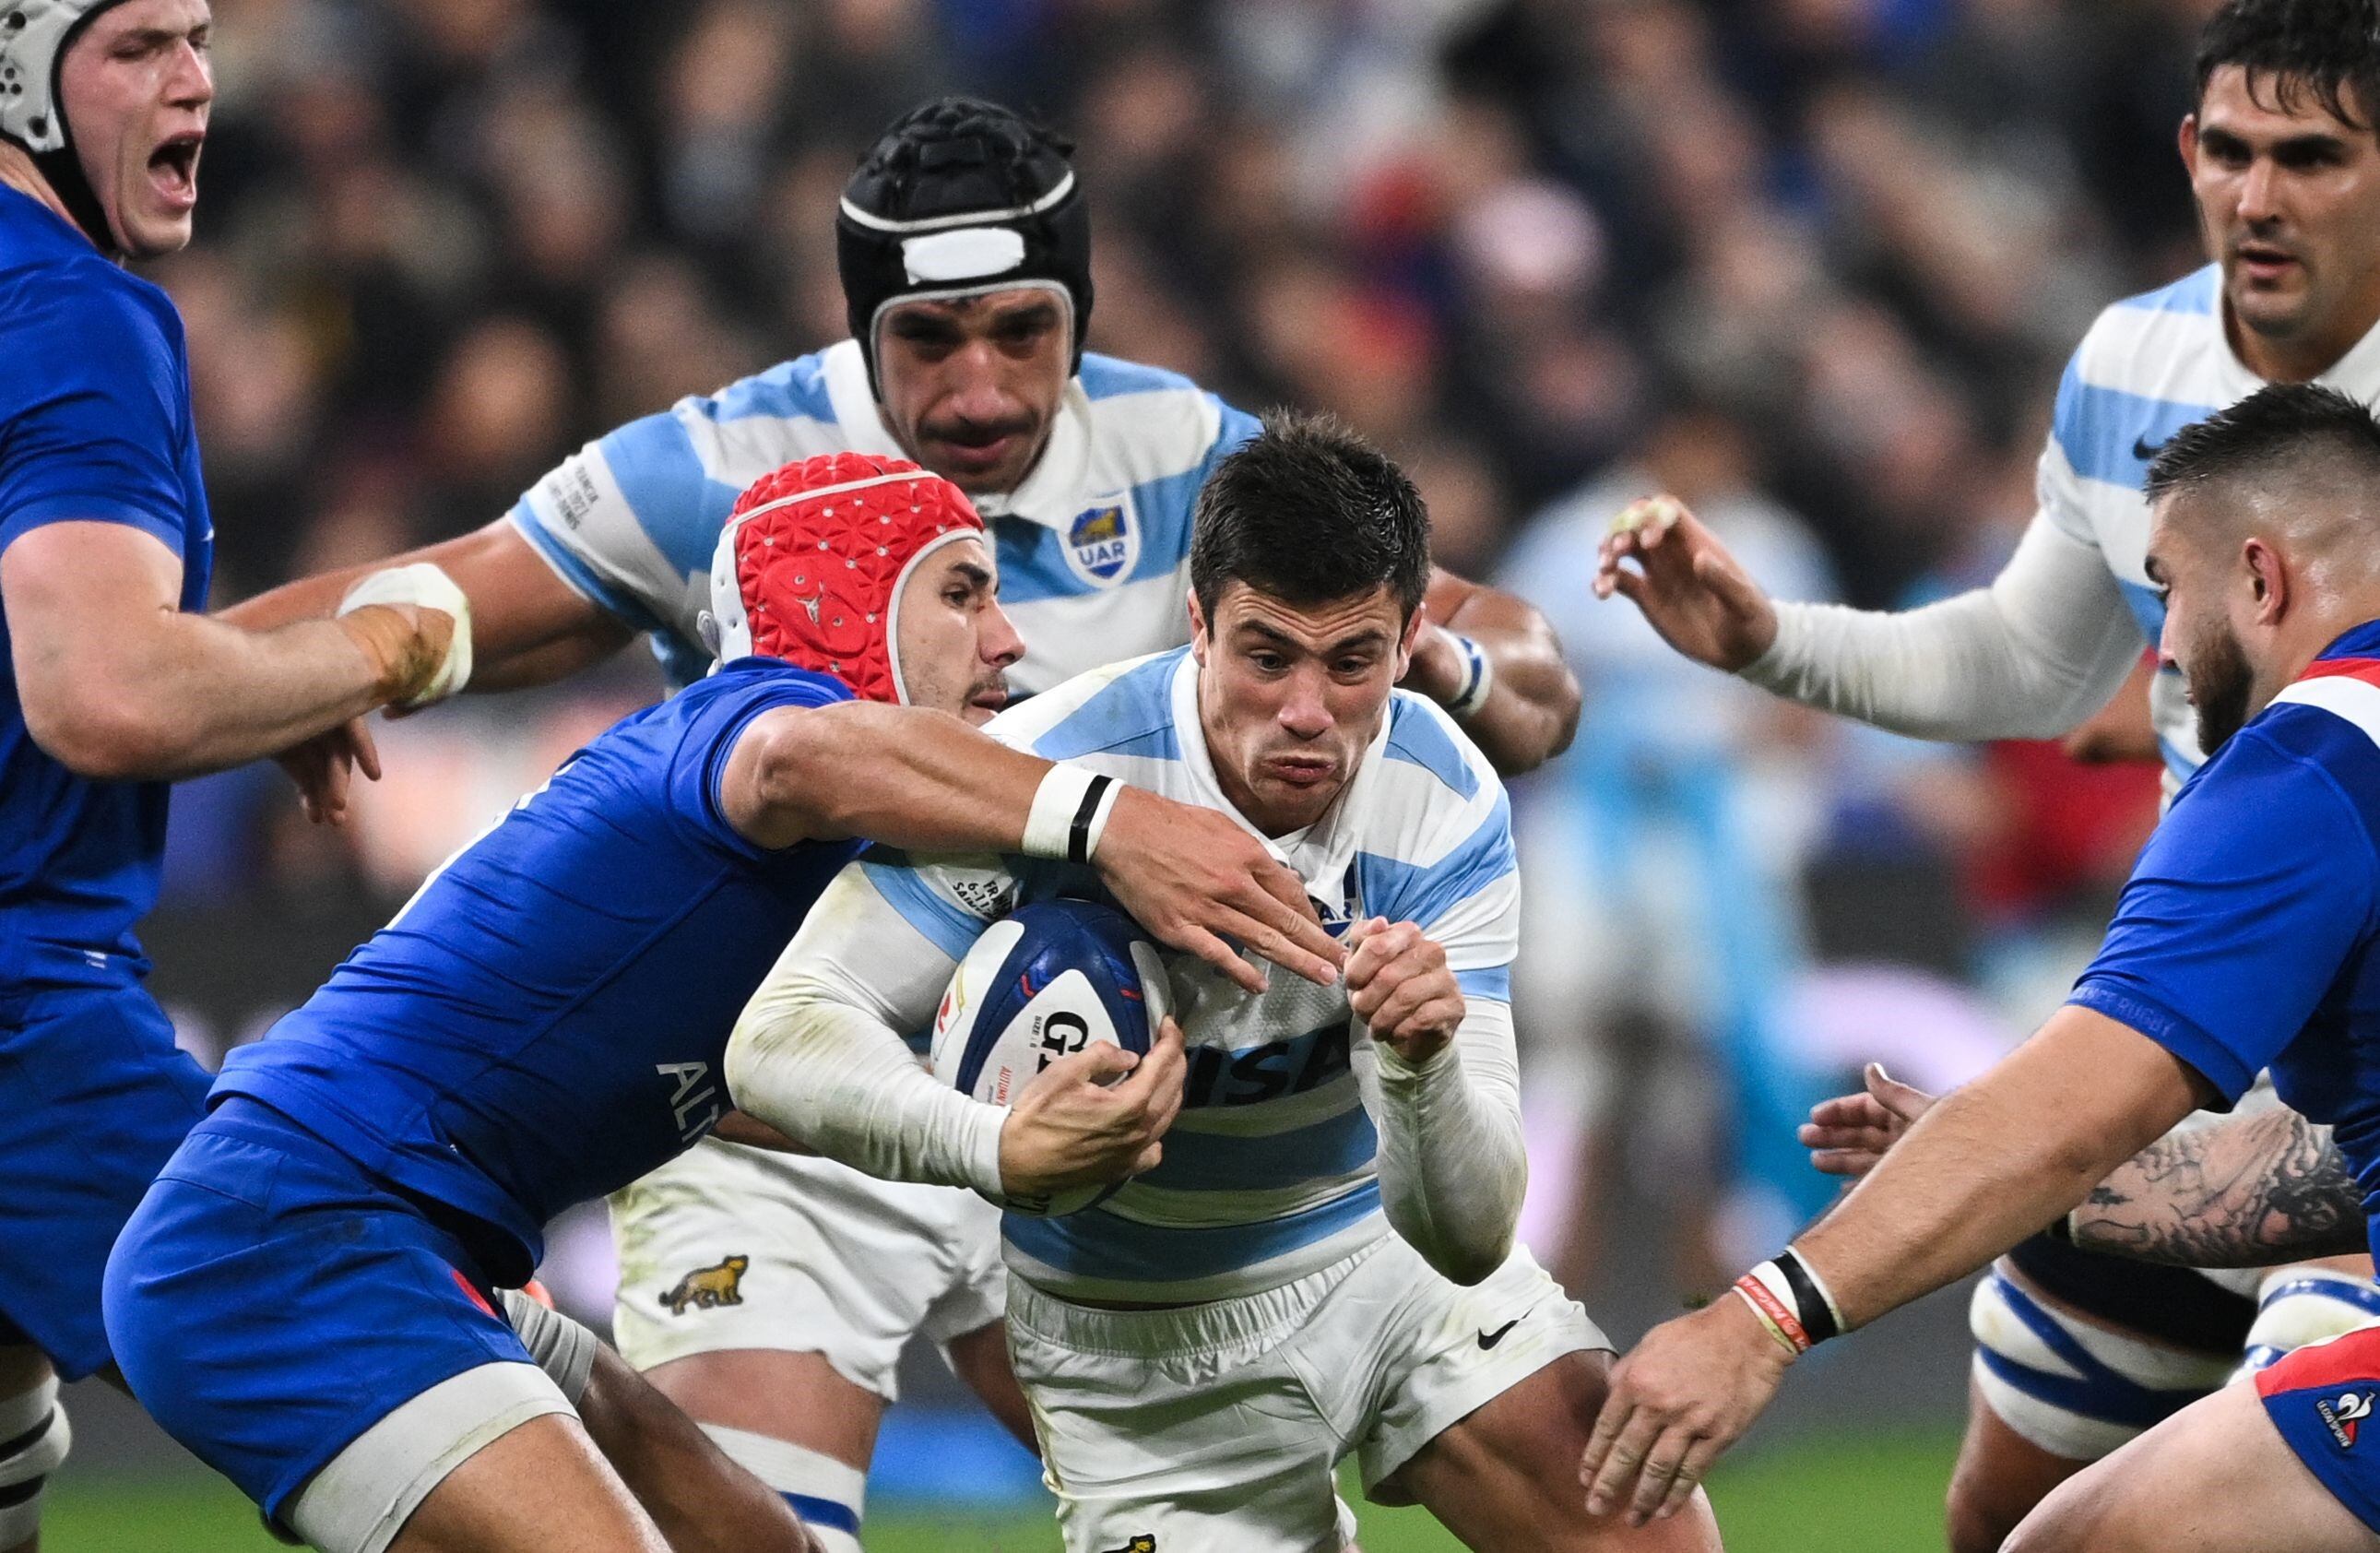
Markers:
{"x": 1220, "y": 1424}
{"x": 729, "y": 1247}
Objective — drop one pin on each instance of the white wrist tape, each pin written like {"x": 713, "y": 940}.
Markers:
{"x": 1478, "y": 676}
{"x": 1070, "y": 813}
{"x": 427, "y": 587}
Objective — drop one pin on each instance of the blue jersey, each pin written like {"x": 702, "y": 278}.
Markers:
{"x": 94, "y": 426}
{"x": 2246, "y": 937}
{"x": 543, "y": 1022}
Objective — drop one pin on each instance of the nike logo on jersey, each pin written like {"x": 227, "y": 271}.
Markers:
{"x": 1490, "y": 1340}
{"x": 2145, "y": 450}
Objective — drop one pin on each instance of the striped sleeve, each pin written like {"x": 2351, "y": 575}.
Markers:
{"x": 621, "y": 520}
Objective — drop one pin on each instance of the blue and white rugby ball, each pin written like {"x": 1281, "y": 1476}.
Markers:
{"x": 1043, "y": 984}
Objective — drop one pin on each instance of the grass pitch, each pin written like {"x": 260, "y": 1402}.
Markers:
{"x": 1841, "y": 1495}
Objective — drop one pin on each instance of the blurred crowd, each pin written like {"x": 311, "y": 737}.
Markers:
{"x": 1814, "y": 264}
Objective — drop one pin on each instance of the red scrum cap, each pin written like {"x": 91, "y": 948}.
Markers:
{"x": 811, "y": 563}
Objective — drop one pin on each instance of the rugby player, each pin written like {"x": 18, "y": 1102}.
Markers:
{"x": 963, "y": 246}
{"x": 1323, "y": 1264}
{"x": 2248, "y": 937}
{"x": 306, "y": 1296}
{"x": 2283, "y": 164}
{"x": 112, "y": 683}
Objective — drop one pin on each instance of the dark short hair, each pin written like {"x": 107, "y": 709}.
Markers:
{"x": 2278, "y": 426}
{"x": 1308, "y": 511}
{"x": 2322, "y": 47}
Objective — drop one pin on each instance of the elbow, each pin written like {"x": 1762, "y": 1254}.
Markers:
{"x": 1563, "y": 711}
{"x": 99, "y": 736}
{"x": 1469, "y": 1266}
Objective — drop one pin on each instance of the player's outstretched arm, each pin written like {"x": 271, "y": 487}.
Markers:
{"x": 2029, "y": 656}
{"x": 1444, "y": 1085}
{"x": 926, "y": 782}
{"x": 1517, "y": 698}
{"x": 1990, "y": 1164}
{"x": 118, "y": 684}
{"x": 2251, "y": 1191}
{"x": 528, "y": 626}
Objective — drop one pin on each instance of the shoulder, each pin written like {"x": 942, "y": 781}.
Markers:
{"x": 2299, "y": 784}
{"x": 754, "y": 685}
{"x": 1124, "y": 709}
{"x": 1433, "y": 790}
{"x": 1155, "y": 421}
{"x": 2150, "y": 365}
{"x": 92, "y": 320}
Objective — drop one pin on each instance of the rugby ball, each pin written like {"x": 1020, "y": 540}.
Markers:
{"x": 1043, "y": 984}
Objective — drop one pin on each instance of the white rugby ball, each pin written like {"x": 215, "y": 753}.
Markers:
{"x": 1043, "y": 984}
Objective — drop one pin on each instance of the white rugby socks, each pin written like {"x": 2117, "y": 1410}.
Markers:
{"x": 827, "y": 1495}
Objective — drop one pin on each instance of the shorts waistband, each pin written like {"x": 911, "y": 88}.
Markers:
{"x": 1212, "y": 1324}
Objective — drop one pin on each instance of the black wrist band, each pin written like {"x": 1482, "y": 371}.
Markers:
{"x": 1078, "y": 838}
{"x": 1817, "y": 1315}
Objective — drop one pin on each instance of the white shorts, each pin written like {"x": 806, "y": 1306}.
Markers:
{"x": 1220, "y": 1424}
{"x": 728, "y": 1247}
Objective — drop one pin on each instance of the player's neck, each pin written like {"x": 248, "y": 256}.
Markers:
{"x": 2304, "y": 358}
{"x": 17, "y": 172}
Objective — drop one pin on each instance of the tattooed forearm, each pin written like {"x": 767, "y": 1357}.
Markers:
{"x": 2249, "y": 1192}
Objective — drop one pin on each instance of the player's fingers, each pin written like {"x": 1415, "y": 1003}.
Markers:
{"x": 1622, "y": 1461}
{"x": 362, "y": 747}
{"x": 1843, "y": 1161}
{"x": 1699, "y": 1456}
{"x": 1663, "y": 1460}
{"x": 1905, "y": 1100}
{"x": 1156, "y": 1076}
{"x": 1286, "y": 931}
{"x": 1422, "y": 1002}
{"x": 1196, "y": 940}
{"x": 1149, "y": 1158}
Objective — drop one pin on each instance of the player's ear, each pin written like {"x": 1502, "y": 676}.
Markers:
{"x": 1197, "y": 630}
{"x": 2188, "y": 142}
{"x": 1413, "y": 623}
{"x": 2268, "y": 582}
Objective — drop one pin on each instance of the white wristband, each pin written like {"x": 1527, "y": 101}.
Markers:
{"x": 424, "y": 586}
{"x": 1478, "y": 676}
{"x": 1070, "y": 813}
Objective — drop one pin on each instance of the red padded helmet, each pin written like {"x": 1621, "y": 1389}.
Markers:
{"x": 811, "y": 563}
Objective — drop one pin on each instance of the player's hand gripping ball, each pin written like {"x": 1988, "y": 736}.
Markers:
{"x": 1046, "y": 983}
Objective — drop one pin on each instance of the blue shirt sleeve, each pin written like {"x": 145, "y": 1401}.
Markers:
{"x": 92, "y": 434}
{"x": 2240, "y": 914}
{"x": 717, "y": 714}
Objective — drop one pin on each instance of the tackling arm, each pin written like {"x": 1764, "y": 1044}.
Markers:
{"x": 529, "y": 626}
{"x": 117, "y": 683}
{"x": 1530, "y": 707}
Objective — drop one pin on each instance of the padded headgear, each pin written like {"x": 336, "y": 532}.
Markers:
{"x": 34, "y": 39}
{"x": 811, "y": 565}
{"x": 958, "y": 198}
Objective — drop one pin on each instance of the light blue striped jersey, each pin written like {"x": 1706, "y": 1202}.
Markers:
{"x": 2150, "y": 365}
{"x": 1270, "y": 1173}
{"x": 1093, "y": 547}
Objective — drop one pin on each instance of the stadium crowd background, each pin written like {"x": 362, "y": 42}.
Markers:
{"x": 1814, "y": 264}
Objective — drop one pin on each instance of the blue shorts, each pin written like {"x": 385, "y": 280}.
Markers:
{"x": 2325, "y": 1397}
{"x": 98, "y": 1097}
{"x": 270, "y": 1301}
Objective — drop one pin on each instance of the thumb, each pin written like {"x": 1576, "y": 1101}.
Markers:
{"x": 1099, "y": 1063}
{"x": 1905, "y": 1100}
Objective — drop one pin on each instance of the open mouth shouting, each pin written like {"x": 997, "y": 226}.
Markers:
{"x": 173, "y": 170}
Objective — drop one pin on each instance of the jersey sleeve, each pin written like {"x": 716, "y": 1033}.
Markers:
{"x": 2242, "y": 909}
{"x": 715, "y": 727}
{"x": 94, "y": 433}
{"x": 2056, "y": 485}
{"x": 1468, "y": 899}
{"x": 629, "y": 518}
{"x": 1233, "y": 427}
